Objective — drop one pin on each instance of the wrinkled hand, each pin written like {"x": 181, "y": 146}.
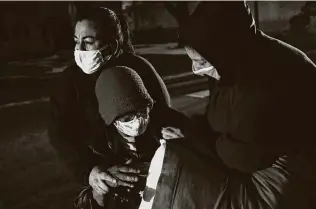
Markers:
{"x": 101, "y": 181}
{"x": 171, "y": 133}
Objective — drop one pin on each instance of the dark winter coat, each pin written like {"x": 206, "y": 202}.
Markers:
{"x": 114, "y": 151}
{"x": 262, "y": 108}
{"x": 75, "y": 119}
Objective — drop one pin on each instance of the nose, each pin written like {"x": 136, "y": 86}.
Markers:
{"x": 79, "y": 46}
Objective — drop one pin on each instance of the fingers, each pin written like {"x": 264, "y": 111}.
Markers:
{"x": 120, "y": 179}
{"x": 99, "y": 187}
{"x": 128, "y": 162}
{"x": 108, "y": 178}
{"x": 124, "y": 169}
{"x": 125, "y": 184}
{"x": 99, "y": 198}
{"x": 168, "y": 136}
{"x": 102, "y": 186}
{"x": 171, "y": 130}
{"x": 171, "y": 133}
{"x": 126, "y": 178}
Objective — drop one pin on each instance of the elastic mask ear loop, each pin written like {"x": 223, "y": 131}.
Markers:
{"x": 116, "y": 52}
{"x": 108, "y": 57}
{"x": 103, "y": 48}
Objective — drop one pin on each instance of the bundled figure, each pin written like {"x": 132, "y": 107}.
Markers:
{"x": 261, "y": 108}
{"x": 137, "y": 142}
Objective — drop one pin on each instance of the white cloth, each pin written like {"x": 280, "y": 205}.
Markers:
{"x": 209, "y": 71}
{"x": 154, "y": 174}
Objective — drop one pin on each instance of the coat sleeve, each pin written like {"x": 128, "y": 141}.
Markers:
{"x": 63, "y": 128}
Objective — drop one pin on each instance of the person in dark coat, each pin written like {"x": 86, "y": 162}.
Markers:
{"x": 133, "y": 127}
{"x": 101, "y": 40}
{"x": 262, "y": 108}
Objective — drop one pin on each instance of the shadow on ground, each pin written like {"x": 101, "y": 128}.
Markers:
{"x": 31, "y": 174}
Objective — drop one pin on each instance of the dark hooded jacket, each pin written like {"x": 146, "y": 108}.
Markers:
{"x": 75, "y": 119}
{"x": 115, "y": 151}
{"x": 122, "y": 91}
{"x": 262, "y": 108}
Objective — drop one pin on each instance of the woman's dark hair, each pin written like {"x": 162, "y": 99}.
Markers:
{"x": 114, "y": 26}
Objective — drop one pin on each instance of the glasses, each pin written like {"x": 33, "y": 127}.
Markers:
{"x": 144, "y": 113}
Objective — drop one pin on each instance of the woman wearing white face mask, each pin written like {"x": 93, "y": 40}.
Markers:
{"x": 260, "y": 109}
{"x": 101, "y": 40}
{"x": 133, "y": 130}
{"x": 92, "y": 60}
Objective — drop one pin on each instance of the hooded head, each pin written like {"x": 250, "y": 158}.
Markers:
{"x": 120, "y": 91}
{"x": 220, "y": 32}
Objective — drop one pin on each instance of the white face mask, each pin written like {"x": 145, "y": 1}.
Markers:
{"x": 90, "y": 61}
{"x": 135, "y": 127}
{"x": 201, "y": 66}
{"x": 205, "y": 69}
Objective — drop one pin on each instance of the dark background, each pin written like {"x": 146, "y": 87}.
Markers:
{"x": 35, "y": 29}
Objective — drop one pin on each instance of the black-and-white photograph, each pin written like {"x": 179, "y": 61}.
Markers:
{"x": 158, "y": 105}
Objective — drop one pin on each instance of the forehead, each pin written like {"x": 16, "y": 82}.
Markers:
{"x": 192, "y": 53}
{"x": 86, "y": 28}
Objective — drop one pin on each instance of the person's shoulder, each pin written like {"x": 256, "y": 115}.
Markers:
{"x": 289, "y": 53}
{"x": 287, "y": 61}
{"x": 131, "y": 59}
{"x": 131, "y": 56}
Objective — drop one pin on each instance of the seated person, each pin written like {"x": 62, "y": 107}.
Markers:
{"x": 133, "y": 129}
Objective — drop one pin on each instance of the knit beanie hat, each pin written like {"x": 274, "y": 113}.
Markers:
{"x": 120, "y": 90}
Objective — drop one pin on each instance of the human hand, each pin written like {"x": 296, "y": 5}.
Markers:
{"x": 99, "y": 198}
{"x": 125, "y": 175}
{"x": 102, "y": 180}
{"x": 171, "y": 133}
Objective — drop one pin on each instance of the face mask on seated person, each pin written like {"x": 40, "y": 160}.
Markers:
{"x": 91, "y": 61}
{"x": 135, "y": 127}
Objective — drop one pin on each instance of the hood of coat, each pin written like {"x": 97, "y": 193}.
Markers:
{"x": 223, "y": 33}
